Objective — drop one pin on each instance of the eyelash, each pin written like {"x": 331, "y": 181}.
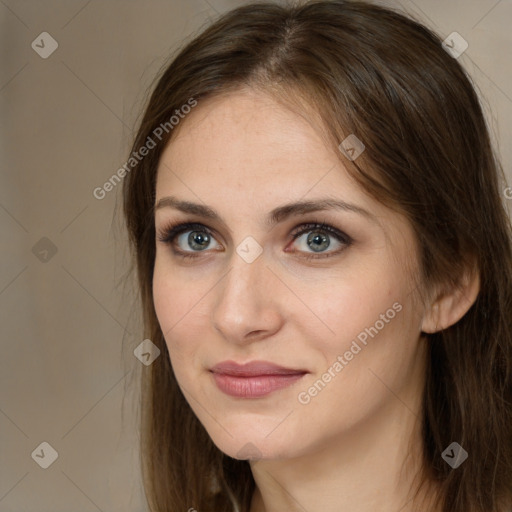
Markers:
{"x": 171, "y": 230}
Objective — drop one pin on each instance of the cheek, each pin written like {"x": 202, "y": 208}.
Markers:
{"x": 370, "y": 323}
{"x": 164, "y": 300}
{"x": 175, "y": 305}
{"x": 354, "y": 378}
{"x": 345, "y": 306}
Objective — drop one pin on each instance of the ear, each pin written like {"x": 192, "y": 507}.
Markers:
{"x": 450, "y": 306}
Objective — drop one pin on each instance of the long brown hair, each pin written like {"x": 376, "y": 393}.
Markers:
{"x": 369, "y": 71}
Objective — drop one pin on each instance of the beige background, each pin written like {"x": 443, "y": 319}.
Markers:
{"x": 67, "y": 125}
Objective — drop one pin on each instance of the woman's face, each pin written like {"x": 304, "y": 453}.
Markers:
{"x": 343, "y": 324}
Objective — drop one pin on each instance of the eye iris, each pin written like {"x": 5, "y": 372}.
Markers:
{"x": 321, "y": 241}
{"x": 198, "y": 240}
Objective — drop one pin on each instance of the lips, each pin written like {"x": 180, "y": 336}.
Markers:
{"x": 252, "y": 369}
{"x": 254, "y": 379}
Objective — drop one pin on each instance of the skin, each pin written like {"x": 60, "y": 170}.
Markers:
{"x": 243, "y": 155}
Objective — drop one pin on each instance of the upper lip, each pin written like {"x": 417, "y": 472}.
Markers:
{"x": 253, "y": 368}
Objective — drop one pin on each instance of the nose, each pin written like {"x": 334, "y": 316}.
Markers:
{"x": 247, "y": 305}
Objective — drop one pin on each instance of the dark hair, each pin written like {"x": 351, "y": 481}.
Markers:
{"x": 369, "y": 71}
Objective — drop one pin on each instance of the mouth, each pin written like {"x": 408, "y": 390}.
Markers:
{"x": 254, "y": 379}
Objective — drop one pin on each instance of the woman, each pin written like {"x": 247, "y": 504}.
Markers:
{"x": 325, "y": 264}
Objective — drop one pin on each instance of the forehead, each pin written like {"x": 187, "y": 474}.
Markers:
{"x": 246, "y": 141}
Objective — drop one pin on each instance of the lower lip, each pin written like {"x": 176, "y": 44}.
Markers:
{"x": 254, "y": 387}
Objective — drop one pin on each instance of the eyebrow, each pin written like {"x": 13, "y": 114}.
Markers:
{"x": 275, "y": 216}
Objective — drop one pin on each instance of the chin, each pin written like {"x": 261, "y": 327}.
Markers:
{"x": 253, "y": 447}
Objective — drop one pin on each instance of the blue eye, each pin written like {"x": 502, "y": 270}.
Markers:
{"x": 320, "y": 238}
{"x": 199, "y": 238}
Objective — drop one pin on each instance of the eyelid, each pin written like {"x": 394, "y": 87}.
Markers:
{"x": 320, "y": 226}
{"x": 168, "y": 233}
